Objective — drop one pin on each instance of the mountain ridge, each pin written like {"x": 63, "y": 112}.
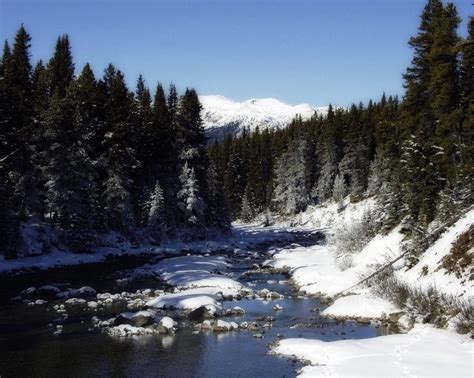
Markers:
{"x": 223, "y": 116}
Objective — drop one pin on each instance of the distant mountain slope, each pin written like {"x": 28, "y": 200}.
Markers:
{"x": 222, "y": 116}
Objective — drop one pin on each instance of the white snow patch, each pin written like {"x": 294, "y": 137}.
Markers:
{"x": 360, "y": 306}
{"x": 188, "y": 299}
{"x": 424, "y": 351}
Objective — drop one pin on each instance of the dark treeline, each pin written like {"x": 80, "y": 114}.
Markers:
{"x": 87, "y": 156}
{"x": 415, "y": 154}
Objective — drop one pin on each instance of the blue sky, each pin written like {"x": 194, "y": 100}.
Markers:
{"x": 320, "y": 52}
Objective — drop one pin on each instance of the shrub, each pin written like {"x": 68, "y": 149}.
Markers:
{"x": 352, "y": 238}
{"x": 460, "y": 257}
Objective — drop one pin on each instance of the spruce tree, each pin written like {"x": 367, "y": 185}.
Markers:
{"x": 61, "y": 67}
{"x": 156, "y": 223}
{"x": 291, "y": 194}
{"x": 165, "y": 158}
{"x": 191, "y": 205}
{"x": 119, "y": 153}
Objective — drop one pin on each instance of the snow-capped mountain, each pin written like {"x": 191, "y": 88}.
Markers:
{"x": 222, "y": 116}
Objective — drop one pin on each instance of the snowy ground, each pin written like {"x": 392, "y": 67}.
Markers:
{"x": 424, "y": 351}
{"x": 429, "y": 272}
{"x": 317, "y": 270}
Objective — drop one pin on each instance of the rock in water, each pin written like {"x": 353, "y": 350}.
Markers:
{"x": 167, "y": 325}
{"x": 200, "y": 314}
{"x": 142, "y": 318}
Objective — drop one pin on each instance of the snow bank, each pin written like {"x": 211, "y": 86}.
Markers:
{"x": 360, "y": 306}
{"x": 316, "y": 270}
{"x": 424, "y": 351}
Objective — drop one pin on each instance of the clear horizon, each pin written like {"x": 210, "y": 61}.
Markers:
{"x": 339, "y": 52}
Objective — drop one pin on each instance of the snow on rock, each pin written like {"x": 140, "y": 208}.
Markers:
{"x": 85, "y": 291}
{"x": 430, "y": 262}
{"x": 424, "y": 351}
{"x": 167, "y": 325}
{"x": 222, "y": 116}
{"x": 127, "y": 330}
{"x": 221, "y": 326}
{"x": 194, "y": 271}
{"x": 190, "y": 299}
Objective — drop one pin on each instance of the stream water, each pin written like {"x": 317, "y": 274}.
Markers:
{"x": 29, "y": 347}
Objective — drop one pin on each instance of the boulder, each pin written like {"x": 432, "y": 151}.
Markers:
{"x": 206, "y": 325}
{"x": 201, "y": 313}
{"x": 167, "y": 325}
{"x": 237, "y": 311}
{"x": 143, "y": 319}
{"x": 221, "y": 326}
{"x": 48, "y": 290}
{"x": 394, "y": 317}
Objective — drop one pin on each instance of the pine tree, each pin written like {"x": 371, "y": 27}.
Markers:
{"x": 339, "y": 190}
{"x": 328, "y": 148}
{"x": 191, "y": 142}
{"x": 377, "y": 174}
{"x": 68, "y": 174}
{"x": 234, "y": 180}
{"x": 191, "y": 205}
{"x": 143, "y": 135}
{"x": 156, "y": 215}
{"x": 19, "y": 128}
{"x": 247, "y": 212}
{"x": 61, "y": 67}
{"x": 291, "y": 193}
{"x": 218, "y": 210}
{"x": 119, "y": 153}
{"x": 165, "y": 158}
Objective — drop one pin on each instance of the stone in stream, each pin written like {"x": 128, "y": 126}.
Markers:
{"x": 200, "y": 314}
{"x": 76, "y": 302}
{"x": 277, "y": 307}
{"x": 237, "y": 311}
{"x": 48, "y": 290}
{"x": 29, "y": 291}
{"x": 167, "y": 325}
{"x": 83, "y": 292}
{"x": 222, "y": 326}
{"x": 143, "y": 318}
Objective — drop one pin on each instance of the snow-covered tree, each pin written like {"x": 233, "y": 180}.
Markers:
{"x": 339, "y": 190}
{"x": 377, "y": 175}
{"x": 323, "y": 189}
{"x": 118, "y": 205}
{"x": 218, "y": 208}
{"x": 247, "y": 211}
{"x": 191, "y": 204}
{"x": 156, "y": 214}
{"x": 291, "y": 193}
